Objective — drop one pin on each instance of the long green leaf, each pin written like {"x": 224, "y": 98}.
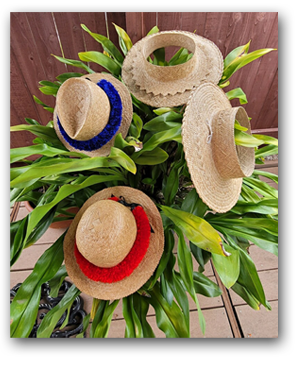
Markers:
{"x": 193, "y": 204}
{"x": 46, "y": 133}
{"x": 169, "y": 318}
{"x": 204, "y": 286}
{"x": 196, "y": 229}
{"x": 107, "y": 45}
{"x": 102, "y": 327}
{"x": 234, "y": 54}
{"x": 249, "y": 277}
{"x": 267, "y": 174}
{"x": 74, "y": 63}
{"x": 124, "y": 40}
{"x": 185, "y": 265}
{"x": 66, "y": 190}
{"x": 242, "y": 60}
{"x": 17, "y": 154}
{"x": 102, "y": 60}
{"x": 50, "y": 320}
{"x": 24, "y": 307}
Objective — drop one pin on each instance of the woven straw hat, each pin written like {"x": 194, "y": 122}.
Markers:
{"x": 216, "y": 164}
{"x": 114, "y": 243}
{"x": 89, "y": 112}
{"x": 170, "y": 86}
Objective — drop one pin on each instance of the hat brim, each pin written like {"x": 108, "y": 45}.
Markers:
{"x": 142, "y": 273}
{"x": 217, "y": 193}
{"x": 127, "y": 111}
{"x": 209, "y": 67}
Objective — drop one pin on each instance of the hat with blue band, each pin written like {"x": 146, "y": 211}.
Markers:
{"x": 90, "y": 111}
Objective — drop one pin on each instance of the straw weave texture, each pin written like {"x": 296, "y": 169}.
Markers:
{"x": 146, "y": 268}
{"x": 205, "y": 158}
{"x": 170, "y": 86}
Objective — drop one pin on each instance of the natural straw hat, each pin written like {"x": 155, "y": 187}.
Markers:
{"x": 114, "y": 243}
{"x": 216, "y": 164}
{"x": 168, "y": 86}
{"x": 90, "y": 111}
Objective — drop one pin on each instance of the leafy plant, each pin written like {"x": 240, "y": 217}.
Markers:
{"x": 151, "y": 159}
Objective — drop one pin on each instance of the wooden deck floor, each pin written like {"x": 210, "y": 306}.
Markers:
{"x": 227, "y": 316}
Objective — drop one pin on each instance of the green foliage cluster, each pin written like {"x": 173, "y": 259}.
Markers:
{"x": 151, "y": 159}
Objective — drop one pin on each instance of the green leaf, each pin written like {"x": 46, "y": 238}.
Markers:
{"x": 196, "y": 229}
{"x": 242, "y": 60}
{"x": 169, "y": 318}
{"x": 228, "y": 268}
{"x": 102, "y": 60}
{"x": 185, "y": 265}
{"x": 68, "y": 75}
{"x": 103, "y": 323}
{"x": 124, "y": 40}
{"x": 74, "y": 63}
{"x": 153, "y": 30}
{"x": 265, "y": 206}
{"x": 32, "y": 121}
{"x": 236, "y": 53}
{"x": 204, "y": 286}
{"x": 261, "y": 187}
{"x": 46, "y": 133}
{"x": 85, "y": 322}
{"x": 50, "y": 320}
{"x": 24, "y": 307}
{"x": 266, "y": 151}
{"x": 46, "y": 107}
{"x": 17, "y": 154}
{"x": 129, "y": 325}
{"x": 56, "y": 281}
{"x": 244, "y": 293}
{"x": 261, "y": 231}
{"x": 61, "y": 166}
{"x": 164, "y": 122}
{"x": 107, "y": 45}
{"x": 267, "y": 139}
{"x": 244, "y": 139}
{"x": 122, "y": 159}
{"x": 237, "y": 93}
{"x": 154, "y": 157}
{"x": 249, "y": 277}
{"x": 173, "y": 134}
{"x": 267, "y": 174}
{"x": 193, "y": 204}
{"x": 136, "y": 126}
{"x": 39, "y": 212}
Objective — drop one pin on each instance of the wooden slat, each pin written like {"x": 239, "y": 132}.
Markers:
{"x": 235, "y": 327}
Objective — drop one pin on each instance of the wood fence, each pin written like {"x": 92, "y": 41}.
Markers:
{"x": 35, "y": 37}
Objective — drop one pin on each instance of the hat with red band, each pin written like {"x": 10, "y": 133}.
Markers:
{"x": 114, "y": 243}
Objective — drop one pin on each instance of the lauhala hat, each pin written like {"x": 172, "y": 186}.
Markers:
{"x": 90, "y": 111}
{"x": 169, "y": 86}
{"x": 114, "y": 243}
{"x": 216, "y": 164}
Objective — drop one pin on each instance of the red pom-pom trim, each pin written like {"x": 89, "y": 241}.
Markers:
{"x": 130, "y": 262}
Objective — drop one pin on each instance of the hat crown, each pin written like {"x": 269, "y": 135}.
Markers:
{"x": 83, "y": 108}
{"x": 106, "y": 233}
{"x": 170, "y": 73}
{"x": 232, "y": 161}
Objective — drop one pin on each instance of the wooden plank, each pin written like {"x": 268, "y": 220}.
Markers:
{"x": 193, "y": 22}
{"x": 27, "y": 55}
{"x": 260, "y": 324}
{"x": 134, "y": 26}
{"x": 70, "y": 35}
{"x": 96, "y": 24}
{"x": 269, "y": 280}
{"x": 29, "y": 257}
{"x": 235, "y": 327}
{"x": 14, "y": 212}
